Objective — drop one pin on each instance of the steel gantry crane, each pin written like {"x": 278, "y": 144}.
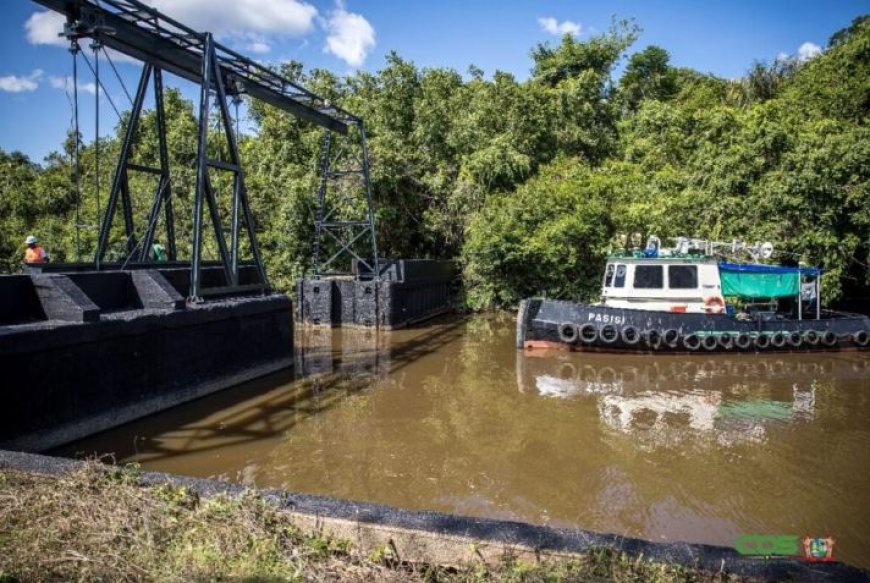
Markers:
{"x": 164, "y": 44}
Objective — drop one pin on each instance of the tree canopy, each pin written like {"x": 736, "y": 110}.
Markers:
{"x": 528, "y": 184}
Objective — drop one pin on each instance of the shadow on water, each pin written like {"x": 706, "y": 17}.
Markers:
{"x": 330, "y": 365}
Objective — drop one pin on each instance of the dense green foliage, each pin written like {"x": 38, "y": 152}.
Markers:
{"x": 530, "y": 183}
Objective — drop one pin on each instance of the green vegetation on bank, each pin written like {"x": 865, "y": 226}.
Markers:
{"x": 529, "y": 183}
{"x": 99, "y": 524}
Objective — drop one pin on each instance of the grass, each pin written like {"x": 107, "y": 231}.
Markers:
{"x": 99, "y": 523}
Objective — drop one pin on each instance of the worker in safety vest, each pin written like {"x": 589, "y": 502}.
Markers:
{"x": 34, "y": 253}
{"x": 158, "y": 252}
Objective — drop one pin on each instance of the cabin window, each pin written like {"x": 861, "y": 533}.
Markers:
{"x": 648, "y": 277}
{"x": 683, "y": 276}
{"x": 620, "y": 276}
{"x": 608, "y": 275}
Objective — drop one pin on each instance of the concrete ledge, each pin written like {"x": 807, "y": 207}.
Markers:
{"x": 448, "y": 539}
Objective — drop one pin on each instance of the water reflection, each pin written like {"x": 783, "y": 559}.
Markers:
{"x": 451, "y": 417}
{"x": 669, "y": 401}
{"x": 323, "y": 351}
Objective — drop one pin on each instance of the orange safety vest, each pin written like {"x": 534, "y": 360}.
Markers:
{"x": 34, "y": 255}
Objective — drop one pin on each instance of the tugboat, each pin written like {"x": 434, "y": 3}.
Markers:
{"x": 695, "y": 297}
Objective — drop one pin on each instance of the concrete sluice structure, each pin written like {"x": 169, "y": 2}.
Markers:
{"x": 84, "y": 351}
{"x": 408, "y": 291}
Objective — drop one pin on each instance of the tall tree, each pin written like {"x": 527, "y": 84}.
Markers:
{"x": 648, "y": 75}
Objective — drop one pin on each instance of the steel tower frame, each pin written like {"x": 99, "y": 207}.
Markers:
{"x": 334, "y": 224}
{"x": 164, "y": 44}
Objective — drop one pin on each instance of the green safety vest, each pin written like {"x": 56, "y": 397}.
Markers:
{"x": 159, "y": 252}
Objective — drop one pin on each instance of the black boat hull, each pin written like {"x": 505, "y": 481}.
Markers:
{"x": 543, "y": 323}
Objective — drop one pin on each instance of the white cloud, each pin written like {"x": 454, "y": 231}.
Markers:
{"x": 553, "y": 26}
{"x": 350, "y": 36}
{"x": 808, "y": 50}
{"x": 15, "y": 84}
{"x": 250, "y": 23}
{"x": 240, "y": 17}
{"x": 44, "y": 27}
{"x": 66, "y": 84}
{"x": 257, "y": 44}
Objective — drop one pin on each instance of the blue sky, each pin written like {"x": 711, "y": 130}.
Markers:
{"x": 723, "y": 38}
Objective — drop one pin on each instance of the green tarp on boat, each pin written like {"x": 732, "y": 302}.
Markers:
{"x": 762, "y": 281}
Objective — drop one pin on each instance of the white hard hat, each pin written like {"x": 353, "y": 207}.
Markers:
{"x": 31, "y": 240}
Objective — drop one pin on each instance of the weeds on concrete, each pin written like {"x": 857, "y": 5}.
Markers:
{"x": 99, "y": 523}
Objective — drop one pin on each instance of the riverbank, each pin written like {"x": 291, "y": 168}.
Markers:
{"x": 104, "y": 522}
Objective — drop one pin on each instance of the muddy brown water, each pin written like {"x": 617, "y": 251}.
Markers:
{"x": 450, "y": 417}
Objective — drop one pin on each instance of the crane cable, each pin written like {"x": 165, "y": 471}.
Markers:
{"x": 74, "y": 49}
{"x": 95, "y": 46}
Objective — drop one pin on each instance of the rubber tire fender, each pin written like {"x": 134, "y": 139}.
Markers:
{"x": 606, "y": 331}
{"x": 812, "y": 338}
{"x": 588, "y": 333}
{"x": 762, "y": 342}
{"x": 794, "y": 338}
{"x": 671, "y": 338}
{"x": 778, "y": 340}
{"x": 691, "y": 342}
{"x": 568, "y": 333}
{"x": 726, "y": 340}
{"x": 829, "y": 339}
{"x": 709, "y": 342}
{"x": 629, "y": 335}
{"x": 653, "y": 338}
{"x": 861, "y": 338}
{"x": 743, "y": 341}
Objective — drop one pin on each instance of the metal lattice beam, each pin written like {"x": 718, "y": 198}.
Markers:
{"x": 141, "y": 32}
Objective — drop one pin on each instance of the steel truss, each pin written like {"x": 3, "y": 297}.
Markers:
{"x": 121, "y": 186}
{"x": 165, "y": 45}
{"x": 343, "y": 227}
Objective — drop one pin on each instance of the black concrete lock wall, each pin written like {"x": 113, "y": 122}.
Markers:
{"x": 19, "y": 303}
{"x": 403, "y": 303}
{"x": 105, "y": 362}
{"x": 110, "y": 291}
{"x": 366, "y": 294}
{"x": 409, "y": 291}
{"x": 428, "y": 271}
{"x": 343, "y": 301}
{"x": 210, "y": 276}
{"x": 408, "y": 270}
{"x": 314, "y": 301}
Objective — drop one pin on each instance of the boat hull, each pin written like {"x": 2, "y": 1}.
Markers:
{"x": 543, "y": 323}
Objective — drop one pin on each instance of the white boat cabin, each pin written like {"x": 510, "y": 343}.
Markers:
{"x": 663, "y": 284}
{"x": 692, "y": 277}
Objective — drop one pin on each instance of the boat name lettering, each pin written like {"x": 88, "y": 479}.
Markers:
{"x": 606, "y": 318}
